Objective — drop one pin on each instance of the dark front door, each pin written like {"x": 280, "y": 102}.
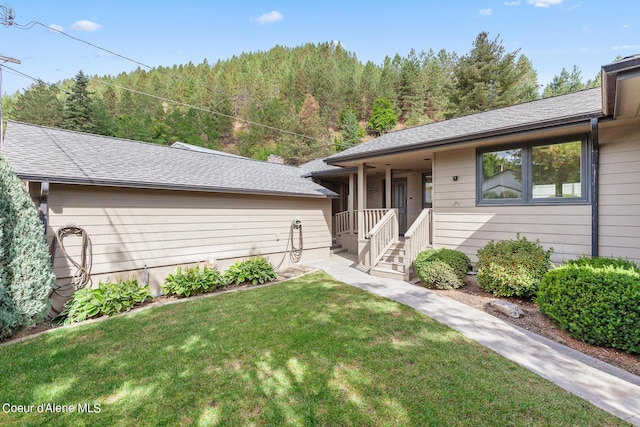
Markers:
{"x": 399, "y": 196}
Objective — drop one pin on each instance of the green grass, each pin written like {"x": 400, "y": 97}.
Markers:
{"x": 311, "y": 351}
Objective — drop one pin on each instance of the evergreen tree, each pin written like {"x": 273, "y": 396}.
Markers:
{"x": 485, "y": 78}
{"x": 565, "y": 83}
{"x": 352, "y": 132}
{"x": 383, "y": 117}
{"x": 78, "y": 108}
{"x": 39, "y": 105}
{"x": 26, "y": 278}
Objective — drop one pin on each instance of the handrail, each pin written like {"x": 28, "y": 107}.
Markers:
{"x": 417, "y": 237}
{"x": 371, "y": 218}
{"x": 383, "y": 235}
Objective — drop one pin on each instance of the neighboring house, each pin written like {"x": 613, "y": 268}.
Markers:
{"x": 148, "y": 208}
{"x": 578, "y": 163}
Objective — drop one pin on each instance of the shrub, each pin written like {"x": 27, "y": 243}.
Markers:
{"x": 442, "y": 268}
{"x": 26, "y": 279}
{"x": 105, "y": 300}
{"x": 192, "y": 281}
{"x": 599, "y": 262}
{"x": 599, "y": 303}
{"x": 512, "y": 267}
{"x": 254, "y": 271}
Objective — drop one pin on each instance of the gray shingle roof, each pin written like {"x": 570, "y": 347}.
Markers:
{"x": 185, "y": 146}
{"x": 41, "y": 153}
{"x": 541, "y": 113}
{"x": 317, "y": 166}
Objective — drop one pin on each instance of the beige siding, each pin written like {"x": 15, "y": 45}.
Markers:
{"x": 132, "y": 228}
{"x": 619, "y": 202}
{"x": 460, "y": 224}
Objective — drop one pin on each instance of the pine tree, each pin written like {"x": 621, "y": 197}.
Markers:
{"x": 383, "y": 117}
{"x": 352, "y": 132}
{"x": 78, "y": 108}
{"x": 485, "y": 78}
{"x": 26, "y": 278}
{"x": 39, "y": 105}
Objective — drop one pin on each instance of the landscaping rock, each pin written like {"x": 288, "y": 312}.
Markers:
{"x": 508, "y": 308}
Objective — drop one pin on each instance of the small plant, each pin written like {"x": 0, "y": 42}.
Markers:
{"x": 255, "y": 270}
{"x": 442, "y": 268}
{"x": 192, "y": 281}
{"x": 107, "y": 299}
{"x": 512, "y": 267}
{"x": 595, "y": 300}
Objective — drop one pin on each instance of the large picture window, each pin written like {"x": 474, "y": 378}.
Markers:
{"x": 553, "y": 172}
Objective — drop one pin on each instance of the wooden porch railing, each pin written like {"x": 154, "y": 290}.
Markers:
{"x": 371, "y": 218}
{"x": 346, "y": 222}
{"x": 417, "y": 237}
{"x": 383, "y": 235}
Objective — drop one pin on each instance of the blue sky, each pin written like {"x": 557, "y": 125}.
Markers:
{"x": 552, "y": 33}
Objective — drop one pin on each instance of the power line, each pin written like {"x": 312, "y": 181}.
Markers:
{"x": 7, "y": 18}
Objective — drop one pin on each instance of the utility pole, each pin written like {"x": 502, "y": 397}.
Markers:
{"x": 3, "y": 59}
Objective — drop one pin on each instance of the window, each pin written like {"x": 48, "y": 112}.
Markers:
{"x": 552, "y": 172}
{"x": 427, "y": 190}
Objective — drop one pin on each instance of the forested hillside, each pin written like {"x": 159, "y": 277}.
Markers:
{"x": 300, "y": 103}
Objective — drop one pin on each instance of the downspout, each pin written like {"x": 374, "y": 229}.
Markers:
{"x": 595, "y": 176}
{"x": 44, "y": 204}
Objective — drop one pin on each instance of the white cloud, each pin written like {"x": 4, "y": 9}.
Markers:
{"x": 544, "y": 3}
{"x": 85, "y": 25}
{"x": 56, "y": 27}
{"x": 626, "y": 47}
{"x": 270, "y": 18}
{"x": 512, "y": 3}
{"x": 485, "y": 12}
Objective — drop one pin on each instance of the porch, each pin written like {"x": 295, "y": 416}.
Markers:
{"x": 384, "y": 251}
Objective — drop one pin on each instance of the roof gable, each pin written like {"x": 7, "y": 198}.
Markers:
{"x": 55, "y": 155}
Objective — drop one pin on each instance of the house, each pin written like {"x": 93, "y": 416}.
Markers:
{"x": 147, "y": 208}
{"x": 564, "y": 170}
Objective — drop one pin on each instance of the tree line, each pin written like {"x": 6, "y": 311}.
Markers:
{"x": 299, "y": 102}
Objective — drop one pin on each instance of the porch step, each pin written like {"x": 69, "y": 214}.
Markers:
{"x": 387, "y": 274}
{"x": 391, "y": 265}
{"x": 337, "y": 248}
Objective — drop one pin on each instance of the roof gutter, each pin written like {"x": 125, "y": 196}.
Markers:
{"x": 152, "y": 186}
{"x": 472, "y": 138}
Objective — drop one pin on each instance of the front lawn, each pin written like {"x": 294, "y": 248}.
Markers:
{"x": 311, "y": 351}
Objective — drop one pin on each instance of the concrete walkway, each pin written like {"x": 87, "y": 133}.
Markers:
{"x": 612, "y": 389}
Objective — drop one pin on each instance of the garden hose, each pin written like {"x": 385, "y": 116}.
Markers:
{"x": 82, "y": 276}
{"x": 295, "y": 253}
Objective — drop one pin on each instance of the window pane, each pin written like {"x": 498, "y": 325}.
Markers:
{"x": 428, "y": 191}
{"x": 556, "y": 170}
{"x": 502, "y": 174}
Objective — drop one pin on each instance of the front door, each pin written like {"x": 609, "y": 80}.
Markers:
{"x": 399, "y": 196}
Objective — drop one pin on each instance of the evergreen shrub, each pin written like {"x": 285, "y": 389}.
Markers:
{"x": 512, "y": 267}
{"x": 26, "y": 277}
{"x": 595, "y": 301}
{"x": 442, "y": 268}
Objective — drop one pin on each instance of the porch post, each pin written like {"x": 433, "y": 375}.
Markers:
{"x": 387, "y": 187}
{"x": 362, "y": 204}
{"x": 350, "y": 202}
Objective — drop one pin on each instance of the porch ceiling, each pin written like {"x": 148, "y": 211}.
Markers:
{"x": 419, "y": 160}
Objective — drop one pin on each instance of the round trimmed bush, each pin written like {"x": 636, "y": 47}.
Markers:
{"x": 442, "y": 268}
{"x": 512, "y": 267}
{"x": 598, "y": 304}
